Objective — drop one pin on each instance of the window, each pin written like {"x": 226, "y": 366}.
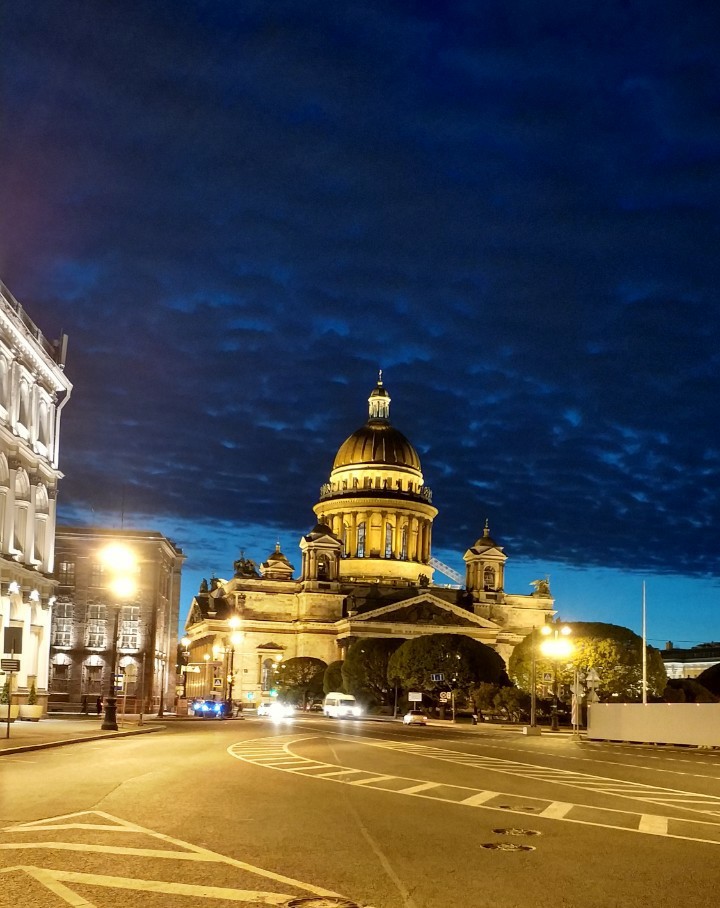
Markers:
{"x": 489, "y": 579}
{"x": 97, "y": 574}
{"x": 361, "y": 540}
{"x": 60, "y": 678}
{"x": 130, "y": 626}
{"x": 96, "y": 611}
{"x": 66, "y": 573}
{"x": 63, "y": 632}
{"x": 268, "y": 674}
{"x": 403, "y": 544}
{"x": 93, "y": 679}
{"x": 323, "y": 568}
{"x": 96, "y": 634}
{"x": 388, "y": 540}
{"x": 63, "y": 608}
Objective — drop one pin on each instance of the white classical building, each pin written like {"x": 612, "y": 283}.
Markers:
{"x": 33, "y": 391}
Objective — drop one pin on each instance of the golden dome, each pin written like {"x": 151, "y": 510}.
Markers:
{"x": 377, "y": 442}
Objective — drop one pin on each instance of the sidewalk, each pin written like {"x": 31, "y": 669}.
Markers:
{"x": 57, "y": 730}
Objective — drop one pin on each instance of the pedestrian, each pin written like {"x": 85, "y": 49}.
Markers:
{"x": 98, "y": 705}
{"x": 83, "y": 706}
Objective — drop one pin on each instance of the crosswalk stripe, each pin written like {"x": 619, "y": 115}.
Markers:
{"x": 557, "y": 810}
{"x": 480, "y": 798}
{"x": 653, "y": 824}
{"x": 414, "y": 789}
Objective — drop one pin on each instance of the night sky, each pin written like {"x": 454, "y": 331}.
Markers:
{"x": 239, "y": 211}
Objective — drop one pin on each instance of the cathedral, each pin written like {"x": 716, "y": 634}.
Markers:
{"x": 366, "y": 570}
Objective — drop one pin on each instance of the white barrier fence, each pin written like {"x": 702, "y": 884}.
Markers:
{"x": 656, "y": 723}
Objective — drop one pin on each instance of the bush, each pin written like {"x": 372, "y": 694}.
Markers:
{"x": 5, "y": 693}
{"x": 32, "y": 695}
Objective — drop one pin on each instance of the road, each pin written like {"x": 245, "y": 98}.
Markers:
{"x": 223, "y": 814}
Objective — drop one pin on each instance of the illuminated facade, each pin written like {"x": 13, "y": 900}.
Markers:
{"x": 33, "y": 391}
{"x": 118, "y": 599}
{"x": 366, "y": 570}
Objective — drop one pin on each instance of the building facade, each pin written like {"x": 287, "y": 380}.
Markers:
{"x": 116, "y": 607}
{"x": 366, "y": 570}
{"x": 690, "y": 662}
{"x": 33, "y": 391}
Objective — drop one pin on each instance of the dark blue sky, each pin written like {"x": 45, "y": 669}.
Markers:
{"x": 240, "y": 211}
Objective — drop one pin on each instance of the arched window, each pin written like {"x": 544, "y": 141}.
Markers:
{"x": 267, "y": 674}
{"x": 323, "y": 568}
{"x": 361, "y": 540}
{"x": 24, "y": 409}
{"x": 388, "y": 540}
{"x": 489, "y": 579}
{"x": 4, "y": 384}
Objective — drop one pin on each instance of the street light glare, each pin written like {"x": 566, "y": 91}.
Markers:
{"x": 123, "y": 587}
{"x": 119, "y": 558}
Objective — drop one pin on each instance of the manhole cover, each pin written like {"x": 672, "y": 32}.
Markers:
{"x": 516, "y": 807}
{"x": 320, "y": 901}
{"x": 506, "y": 846}
{"x": 513, "y": 830}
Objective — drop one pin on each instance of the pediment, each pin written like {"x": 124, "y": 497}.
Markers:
{"x": 425, "y": 610}
{"x": 195, "y": 615}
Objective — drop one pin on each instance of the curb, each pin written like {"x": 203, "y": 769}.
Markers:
{"x": 44, "y": 745}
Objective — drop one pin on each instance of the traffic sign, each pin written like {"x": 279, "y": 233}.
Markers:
{"x": 10, "y": 665}
{"x": 438, "y": 676}
{"x": 414, "y": 696}
{"x": 444, "y": 696}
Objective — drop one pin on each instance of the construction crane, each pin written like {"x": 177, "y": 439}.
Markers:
{"x": 448, "y": 571}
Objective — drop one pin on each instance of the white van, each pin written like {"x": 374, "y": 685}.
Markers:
{"x": 339, "y": 706}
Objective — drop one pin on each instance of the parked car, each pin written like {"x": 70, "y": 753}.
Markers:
{"x": 415, "y": 717}
{"x": 210, "y": 709}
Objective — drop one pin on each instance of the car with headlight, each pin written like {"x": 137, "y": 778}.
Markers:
{"x": 415, "y": 717}
{"x": 341, "y": 706}
{"x": 275, "y": 710}
{"x": 210, "y": 709}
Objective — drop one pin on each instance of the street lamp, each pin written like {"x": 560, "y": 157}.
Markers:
{"x": 206, "y": 657}
{"x": 121, "y": 563}
{"x": 186, "y": 656}
{"x": 556, "y": 646}
{"x": 236, "y": 638}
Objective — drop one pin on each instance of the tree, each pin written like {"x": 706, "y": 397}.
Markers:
{"x": 365, "y": 669}
{"x": 614, "y": 652}
{"x": 333, "y": 679}
{"x": 513, "y": 702}
{"x": 301, "y": 677}
{"x": 687, "y": 690}
{"x": 710, "y": 679}
{"x": 462, "y": 662}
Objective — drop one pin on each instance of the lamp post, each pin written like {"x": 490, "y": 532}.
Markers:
{"x": 121, "y": 563}
{"x": 206, "y": 657}
{"x": 186, "y": 657}
{"x": 163, "y": 665}
{"x": 236, "y": 639}
{"x": 556, "y": 646}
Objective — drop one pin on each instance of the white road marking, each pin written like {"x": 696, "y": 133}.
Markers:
{"x": 581, "y": 814}
{"x": 557, "y": 810}
{"x": 481, "y": 797}
{"x": 59, "y": 882}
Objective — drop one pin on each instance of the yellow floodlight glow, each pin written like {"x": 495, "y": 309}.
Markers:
{"x": 123, "y": 587}
{"x": 236, "y": 638}
{"x": 119, "y": 558}
{"x": 234, "y": 622}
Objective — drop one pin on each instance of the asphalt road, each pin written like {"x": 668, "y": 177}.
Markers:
{"x": 251, "y": 813}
